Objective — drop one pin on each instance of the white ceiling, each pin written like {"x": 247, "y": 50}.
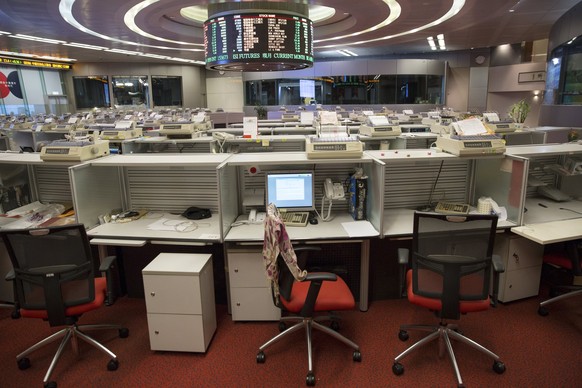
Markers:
{"x": 480, "y": 23}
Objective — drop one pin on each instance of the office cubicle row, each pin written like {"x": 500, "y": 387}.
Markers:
{"x": 399, "y": 181}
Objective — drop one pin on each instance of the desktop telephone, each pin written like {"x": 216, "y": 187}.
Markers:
{"x": 221, "y": 136}
{"x": 333, "y": 190}
{"x": 256, "y": 217}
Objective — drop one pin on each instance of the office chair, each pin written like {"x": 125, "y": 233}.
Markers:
{"x": 567, "y": 261}
{"x": 13, "y": 306}
{"x": 303, "y": 295}
{"x": 54, "y": 275}
{"x": 450, "y": 271}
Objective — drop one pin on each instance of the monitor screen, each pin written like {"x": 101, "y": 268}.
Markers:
{"x": 291, "y": 190}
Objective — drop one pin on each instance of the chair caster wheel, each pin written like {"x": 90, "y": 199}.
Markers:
{"x": 23, "y": 363}
{"x": 50, "y": 384}
{"x": 543, "y": 311}
{"x": 124, "y": 332}
{"x": 261, "y": 358}
{"x": 310, "y": 379}
{"x": 403, "y": 335}
{"x": 334, "y": 325}
{"x": 498, "y": 367}
{"x": 397, "y": 368}
{"x": 112, "y": 365}
{"x": 15, "y": 314}
{"x": 357, "y": 356}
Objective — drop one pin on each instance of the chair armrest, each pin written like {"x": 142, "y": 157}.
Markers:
{"x": 403, "y": 256}
{"x": 107, "y": 264}
{"x": 10, "y": 276}
{"x": 321, "y": 277}
{"x": 498, "y": 265}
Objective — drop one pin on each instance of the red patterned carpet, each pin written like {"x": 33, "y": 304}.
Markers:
{"x": 538, "y": 351}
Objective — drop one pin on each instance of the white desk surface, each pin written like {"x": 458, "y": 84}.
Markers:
{"x": 164, "y": 139}
{"x": 399, "y": 222}
{"x": 322, "y": 231}
{"x": 551, "y": 224}
{"x": 262, "y": 138}
{"x": 155, "y": 160}
{"x": 32, "y": 158}
{"x": 281, "y": 158}
{"x": 207, "y": 230}
{"x": 544, "y": 149}
{"x": 405, "y": 154}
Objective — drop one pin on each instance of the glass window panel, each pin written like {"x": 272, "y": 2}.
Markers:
{"x": 167, "y": 90}
{"x": 411, "y": 89}
{"x": 91, "y": 92}
{"x": 348, "y": 90}
{"x": 131, "y": 90}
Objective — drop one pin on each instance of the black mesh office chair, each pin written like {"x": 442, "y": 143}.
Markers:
{"x": 305, "y": 300}
{"x": 451, "y": 263}
{"x": 54, "y": 275}
{"x": 567, "y": 263}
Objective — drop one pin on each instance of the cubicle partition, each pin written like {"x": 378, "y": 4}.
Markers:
{"x": 344, "y": 250}
{"x": 25, "y": 178}
{"x": 160, "y": 187}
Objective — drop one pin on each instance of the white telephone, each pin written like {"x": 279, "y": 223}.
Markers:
{"x": 333, "y": 190}
{"x": 221, "y": 136}
{"x": 256, "y": 217}
{"x": 486, "y": 205}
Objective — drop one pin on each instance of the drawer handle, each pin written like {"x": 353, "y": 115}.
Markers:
{"x": 152, "y": 293}
{"x": 237, "y": 304}
{"x": 516, "y": 257}
{"x": 236, "y": 270}
{"x": 156, "y": 332}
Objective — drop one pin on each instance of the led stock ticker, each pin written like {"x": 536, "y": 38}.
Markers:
{"x": 258, "y": 42}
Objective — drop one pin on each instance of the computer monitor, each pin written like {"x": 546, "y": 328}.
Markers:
{"x": 291, "y": 190}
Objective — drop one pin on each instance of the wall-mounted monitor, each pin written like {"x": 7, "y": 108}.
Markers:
{"x": 291, "y": 190}
{"x": 254, "y": 41}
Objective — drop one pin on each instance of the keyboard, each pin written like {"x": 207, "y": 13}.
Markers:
{"x": 295, "y": 218}
{"x": 452, "y": 208}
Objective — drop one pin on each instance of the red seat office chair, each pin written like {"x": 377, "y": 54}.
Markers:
{"x": 567, "y": 260}
{"x": 54, "y": 275}
{"x": 450, "y": 275}
{"x": 305, "y": 298}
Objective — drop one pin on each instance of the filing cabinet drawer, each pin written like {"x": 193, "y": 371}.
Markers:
{"x": 172, "y": 294}
{"x": 518, "y": 252}
{"x": 253, "y": 304}
{"x": 176, "y": 332}
{"x": 246, "y": 269}
{"x": 520, "y": 284}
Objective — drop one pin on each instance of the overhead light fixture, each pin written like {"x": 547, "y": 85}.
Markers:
{"x": 347, "y": 53}
{"x": 431, "y": 43}
{"x": 85, "y": 46}
{"x": 441, "y": 40}
{"x": 36, "y": 39}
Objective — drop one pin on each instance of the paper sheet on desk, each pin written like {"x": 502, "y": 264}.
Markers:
{"x": 359, "y": 229}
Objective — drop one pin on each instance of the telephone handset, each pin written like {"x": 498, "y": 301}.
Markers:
{"x": 333, "y": 190}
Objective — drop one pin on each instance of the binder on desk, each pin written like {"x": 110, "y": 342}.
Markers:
{"x": 358, "y": 194}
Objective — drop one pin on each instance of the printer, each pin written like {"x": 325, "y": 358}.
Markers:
{"x": 177, "y": 130}
{"x": 75, "y": 150}
{"x": 495, "y": 125}
{"x": 123, "y": 129}
{"x": 469, "y": 137}
{"x": 379, "y": 126}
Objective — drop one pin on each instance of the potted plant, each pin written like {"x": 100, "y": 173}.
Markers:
{"x": 519, "y": 111}
{"x": 261, "y": 112}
